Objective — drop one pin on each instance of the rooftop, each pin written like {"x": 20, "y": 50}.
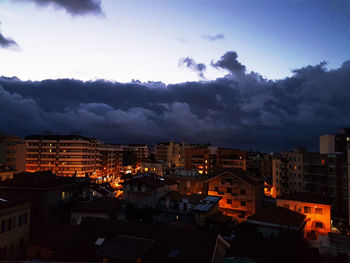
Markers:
{"x": 151, "y": 180}
{"x": 307, "y": 198}
{"x": 236, "y": 172}
{"x": 176, "y": 196}
{"x": 9, "y": 199}
{"x": 58, "y": 137}
{"x": 278, "y": 215}
{"x": 104, "y": 204}
{"x": 37, "y": 180}
{"x": 190, "y": 245}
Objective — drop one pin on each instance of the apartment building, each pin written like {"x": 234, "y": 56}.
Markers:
{"x": 133, "y": 154}
{"x": 206, "y": 159}
{"x": 324, "y": 174}
{"x": 316, "y": 208}
{"x": 241, "y": 194}
{"x": 335, "y": 143}
{"x": 6, "y": 172}
{"x": 14, "y": 225}
{"x": 64, "y": 155}
{"x": 111, "y": 160}
{"x": 12, "y": 152}
{"x": 171, "y": 153}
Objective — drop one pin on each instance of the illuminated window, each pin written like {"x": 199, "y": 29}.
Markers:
{"x": 318, "y": 225}
{"x": 146, "y": 169}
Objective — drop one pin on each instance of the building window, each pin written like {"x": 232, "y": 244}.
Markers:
{"x": 307, "y": 209}
{"x": 242, "y": 192}
{"x": 243, "y": 203}
{"x": 229, "y": 190}
{"x": 319, "y": 211}
{"x": 229, "y": 201}
{"x": 319, "y": 225}
{"x": 216, "y": 188}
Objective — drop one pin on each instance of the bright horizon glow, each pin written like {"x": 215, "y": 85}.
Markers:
{"x": 145, "y": 40}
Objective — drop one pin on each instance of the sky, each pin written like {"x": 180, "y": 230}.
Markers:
{"x": 230, "y": 72}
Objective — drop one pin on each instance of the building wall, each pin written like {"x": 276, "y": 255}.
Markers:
{"x": 314, "y": 213}
{"x": 12, "y": 152}
{"x": 143, "y": 196}
{"x": 152, "y": 167}
{"x": 287, "y": 173}
{"x": 14, "y": 230}
{"x": 65, "y": 157}
{"x": 171, "y": 153}
{"x": 5, "y": 175}
{"x": 239, "y": 199}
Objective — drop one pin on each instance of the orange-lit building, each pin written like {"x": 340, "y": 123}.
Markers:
{"x": 316, "y": 208}
{"x": 64, "y": 155}
{"x": 241, "y": 194}
{"x": 206, "y": 159}
{"x": 155, "y": 167}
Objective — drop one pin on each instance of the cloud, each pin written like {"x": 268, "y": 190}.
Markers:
{"x": 7, "y": 42}
{"x": 248, "y": 112}
{"x": 73, "y": 7}
{"x": 229, "y": 62}
{"x": 190, "y": 63}
{"x": 213, "y": 37}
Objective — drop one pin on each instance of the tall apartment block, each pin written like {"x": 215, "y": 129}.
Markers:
{"x": 287, "y": 172}
{"x": 12, "y": 152}
{"x": 111, "y": 159}
{"x": 171, "y": 153}
{"x": 206, "y": 159}
{"x": 64, "y": 155}
{"x": 133, "y": 154}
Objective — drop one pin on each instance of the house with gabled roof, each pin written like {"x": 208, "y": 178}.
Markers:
{"x": 241, "y": 194}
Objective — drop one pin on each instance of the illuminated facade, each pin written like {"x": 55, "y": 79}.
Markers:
{"x": 241, "y": 194}
{"x": 155, "y": 167}
{"x": 316, "y": 209}
{"x": 64, "y": 155}
{"x": 206, "y": 159}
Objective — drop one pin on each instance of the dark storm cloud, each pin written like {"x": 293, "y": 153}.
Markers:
{"x": 73, "y": 7}
{"x": 190, "y": 63}
{"x": 229, "y": 62}
{"x": 213, "y": 37}
{"x": 6, "y": 42}
{"x": 248, "y": 112}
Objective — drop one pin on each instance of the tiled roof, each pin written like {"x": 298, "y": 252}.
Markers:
{"x": 193, "y": 245}
{"x": 278, "y": 215}
{"x": 176, "y": 196}
{"x": 105, "y": 204}
{"x": 239, "y": 173}
{"x": 44, "y": 179}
